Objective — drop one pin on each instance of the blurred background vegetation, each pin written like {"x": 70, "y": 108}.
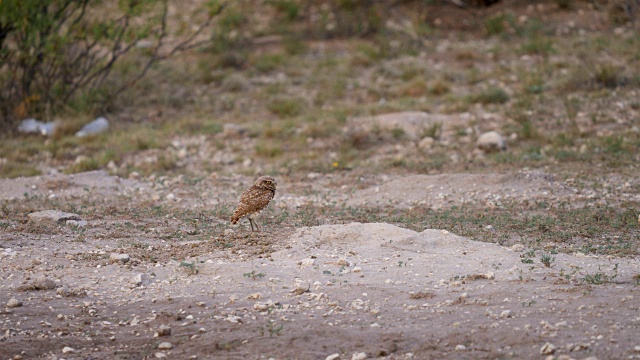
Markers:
{"x": 158, "y": 68}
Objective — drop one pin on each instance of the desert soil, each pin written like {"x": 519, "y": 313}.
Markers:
{"x": 146, "y": 286}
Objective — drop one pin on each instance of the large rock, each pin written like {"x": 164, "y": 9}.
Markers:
{"x": 52, "y": 216}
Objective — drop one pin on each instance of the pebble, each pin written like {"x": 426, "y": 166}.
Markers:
{"x": 333, "y": 357}
{"x": 164, "y": 330}
{"x": 461, "y": 347}
{"x": 115, "y": 257}
{"x": 300, "y": 287}
{"x": 517, "y": 247}
{"x": 547, "y": 349}
{"x": 359, "y": 356}
{"x": 68, "y": 350}
{"x": 165, "y": 346}
{"x": 13, "y": 303}
{"x": 160, "y": 355}
{"x": 307, "y": 262}
{"x": 506, "y": 314}
{"x": 137, "y": 279}
{"x": 43, "y": 283}
{"x": 76, "y": 223}
{"x": 491, "y": 141}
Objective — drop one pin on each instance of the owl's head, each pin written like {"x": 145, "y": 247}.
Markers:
{"x": 266, "y": 182}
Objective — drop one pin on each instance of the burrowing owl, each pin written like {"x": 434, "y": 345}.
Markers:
{"x": 254, "y": 199}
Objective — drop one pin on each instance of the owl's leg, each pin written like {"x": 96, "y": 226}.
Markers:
{"x": 253, "y": 222}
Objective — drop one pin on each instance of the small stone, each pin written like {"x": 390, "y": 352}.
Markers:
{"x": 41, "y": 282}
{"x": 636, "y": 349}
{"x": 461, "y": 347}
{"x": 134, "y": 175}
{"x": 307, "y": 262}
{"x": 426, "y": 143}
{"x": 160, "y": 355}
{"x": 517, "y": 247}
{"x": 506, "y": 314}
{"x": 76, "y": 223}
{"x": 13, "y": 303}
{"x": 164, "y": 330}
{"x": 137, "y": 279}
{"x": 359, "y": 356}
{"x": 234, "y": 130}
{"x": 165, "y": 346}
{"x": 121, "y": 258}
{"x": 491, "y": 141}
{"x": 547, "y": 349}
{"x": 68, "y": 350}
{"x": 300, "y": 287}
{"x": 333, "y": 357}
{"x": 170, "y": 197}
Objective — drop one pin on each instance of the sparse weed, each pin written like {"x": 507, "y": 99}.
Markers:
{"x": 547, "y": 259}
{"x": 492, "y": 95}
{"x": 600, "y": 278}
{"x": 255, "y": 276}
{"x": 191, "y": 267}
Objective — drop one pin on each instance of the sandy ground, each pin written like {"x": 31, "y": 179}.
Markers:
{"x": 346, "y": 291}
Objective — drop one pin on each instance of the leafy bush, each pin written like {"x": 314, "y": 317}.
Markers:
{"x": 53, "y": 52}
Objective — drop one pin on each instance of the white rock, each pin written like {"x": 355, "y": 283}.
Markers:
{"x": 76, "y": 223}
{"x": 138, "y": 279}
{"x": 517, "y": 247}
{"x": 307, "y": 262}
{"x": 160, "y": 355}
{"x": 506, "y": 314}
{"x": 171, "y": 196}
{"x": 491, "y": 141}
{"x": 52, "y": 216}
{"x": 359, "y": 356}
{"x": 165, "y": 346}
{"x": 30, "y": 126}
{"x": 333, "y": 357}
{"x": 33, "y": 126}
{"x": 13, "y": 302}
{"x": 41, "y": 282}
{"x": 68, "y": 350}
{"x": 461, "y": 347}
{"x": 123, "y": 258}
{"x": 97, "y": 126}
{"x": 164, "y": 330}
{"x": 547, "y": 349}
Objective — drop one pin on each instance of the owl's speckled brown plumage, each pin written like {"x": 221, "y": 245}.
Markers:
{"x": 254, "y": 199}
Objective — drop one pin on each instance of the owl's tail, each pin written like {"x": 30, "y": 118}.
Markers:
{"x": 235, "y": 218}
